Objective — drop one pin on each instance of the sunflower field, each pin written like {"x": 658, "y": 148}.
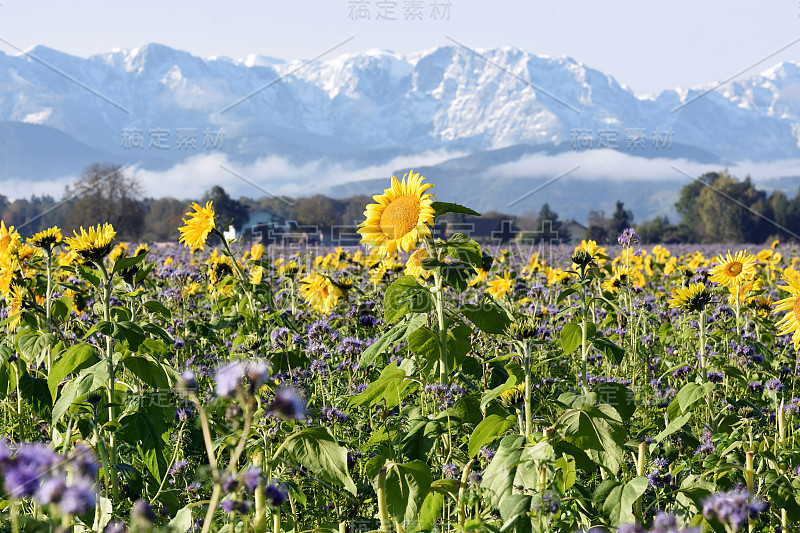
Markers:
{"x": 418, "y": 383}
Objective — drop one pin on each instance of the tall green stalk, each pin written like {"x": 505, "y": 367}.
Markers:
{"x": 112, "y": 441}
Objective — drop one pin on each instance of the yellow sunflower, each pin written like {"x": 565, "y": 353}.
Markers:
{"x": 401, "y": 217}
{"x": 48, "y": 238}
{"x": 414, "y": 264}
{"x": 9, "y": 240}
{"x": 319, "y": 292}
{"x": 500, "y": 287}
{"x": 695, "y": 297}
{"x": 743, "y": 290}
{"x": 257, "y": 252}
{"x": 790, "y": 323}
{"x": 762, "y": 304}
{"x": 480, "y": 277}
{"x": 198, "y": 226}
{"x": 734, "y": 269}
{"x": 94, "y": 244}
{"x": 15, "y": 306}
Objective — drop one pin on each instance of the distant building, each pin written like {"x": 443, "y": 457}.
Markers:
{"x": 572, "y": 231}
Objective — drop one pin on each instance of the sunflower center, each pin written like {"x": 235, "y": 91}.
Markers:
{"x": 734, "y": 269}
{"x": 400, "y": 217}
{"x": 796, "y": 308}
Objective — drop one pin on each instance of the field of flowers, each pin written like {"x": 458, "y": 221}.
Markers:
{"x": 415, "y": 384}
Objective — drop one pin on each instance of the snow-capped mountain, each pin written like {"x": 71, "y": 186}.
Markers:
{"x": 372, "y": 106}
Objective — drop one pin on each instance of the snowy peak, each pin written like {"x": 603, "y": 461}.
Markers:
{"x": 445, "y": 97}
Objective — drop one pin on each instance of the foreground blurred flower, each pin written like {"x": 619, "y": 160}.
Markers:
{"x": 732, "y": 509}
{"x": 198, "y": 226}
{"x": 734, "y": 269}
{"x": 94, "y": 244}
{"x": 288, "y": 404}
{"x": 47, "y": 239}
{"x": 401, "y": 217}
{"x": 319, "y": 292}
{"x": 695, "y": 297}
{"x": 790, "y": 323}
{"x": 231, "y": 376}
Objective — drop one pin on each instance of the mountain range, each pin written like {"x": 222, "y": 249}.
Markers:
{"x": 491, "y": 114}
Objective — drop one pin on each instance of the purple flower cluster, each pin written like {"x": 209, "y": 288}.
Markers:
{"x": 36, "y": 471}
{"x": 229, "y": 377}
{"x": 628, "y": 237}
{"x": 732, "y": 509}
{"x": 288, "y": 404}
{"x": 662, "y": 523}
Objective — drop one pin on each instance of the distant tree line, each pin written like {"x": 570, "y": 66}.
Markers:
{"x": 717, "y": 207}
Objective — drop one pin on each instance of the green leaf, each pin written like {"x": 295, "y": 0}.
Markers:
{"x": 317, "y": 450}
{"x": 615, "y": 499}
{"x": 488, "y": 316}
{"x": 147, "y": 430}
{"x": 405, "y": 296}
{"x": 691, "y": 393}
{"x": 148, "y": 371}
{"x": 673, "y": 426}
{"x": 459, "y": 344}
{"x": 34, "y": 347}
{"x": 89, "y": 274}
{"x": 386, "y": 342}
{"x": 88, "y": 380}
{"x": 571, "y": 335}
{"x": 564, "y": 294}
{"x": 498, "y": 480}
{"x": 425, "y": 343}
{"x": 618, "y": 396}
{"x": 514, "y": 510}
{"x": 61, "y": 308}
{"x": 73, "y": 359}
{"x": 157, "y": 307}
{"x": 431, "y": 510}
{"x": 599, "y": 432}
{"x": 442, "y": 208}
{"x": 609, "y": 349}
{"x": 124, "y": 263}
{"x": 182, "y": 521}
{"x": 487, "y": 431}
{"x": 391, "y": 387}
{"x": 407, "y": 485}
{"x": 35, "y": 392}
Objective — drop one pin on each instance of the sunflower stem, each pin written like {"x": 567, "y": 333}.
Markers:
{"x": 112, "y": 441}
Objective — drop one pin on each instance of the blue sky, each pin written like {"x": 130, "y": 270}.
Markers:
{"x": 646, "y": 45}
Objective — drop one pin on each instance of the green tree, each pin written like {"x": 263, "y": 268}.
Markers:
{"x": 621, "y": 219}
{"x": 164, "y": 217}
{"x": 226, "y": 208}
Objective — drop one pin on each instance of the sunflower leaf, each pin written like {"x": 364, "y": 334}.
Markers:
{"x": 442, "y": 208}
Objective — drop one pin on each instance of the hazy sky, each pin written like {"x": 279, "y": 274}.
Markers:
{"x": 646, "y": 45}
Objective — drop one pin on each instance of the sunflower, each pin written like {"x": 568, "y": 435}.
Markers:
{"x": 200, "y": 223}
{"x": 617, "y": 280}
{"x": 695, "y": 297}
{"x": 47, "y": 239}
{"x": 743, "y": 290}
{"x": 141, "y": 250}
{"x": 500, "y": 287}
{"x": 256, "y": 273}
{"x": 15, "y": 306}
{"x": 218, "y": 268}
{"x": 790, "y": 323}
{"x": 94, "y": 244}
{"x": 414, "y": 264}
{"x": 734, "y": 269}
{"x": 762, "y": 304}
{"x": 401, "y": 217}
{"x": 513, "y": 395}
{"x": 319, "y": 292}
{"x": 120, "y": 250}
{"x": 480, "y": 277}
{"x": 257, "y": 252}
{"x": 9, "y": 241}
